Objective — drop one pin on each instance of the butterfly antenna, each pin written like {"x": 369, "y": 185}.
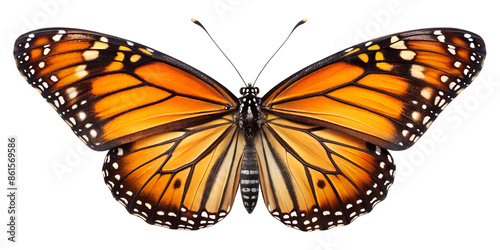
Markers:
{"x": 297, "y": 25}
{"x": 199, "y": 24}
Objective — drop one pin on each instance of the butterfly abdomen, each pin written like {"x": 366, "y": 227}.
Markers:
{"x": 249, "y": 177}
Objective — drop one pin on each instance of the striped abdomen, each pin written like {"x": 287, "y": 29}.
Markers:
{"x": 249, "y": 177}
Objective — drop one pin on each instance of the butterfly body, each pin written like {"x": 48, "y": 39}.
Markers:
{"x": 180, "y": 144}
{"x": 249, "y": 120}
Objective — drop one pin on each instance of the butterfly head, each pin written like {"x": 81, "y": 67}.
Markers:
{"x": 249, "y": 90}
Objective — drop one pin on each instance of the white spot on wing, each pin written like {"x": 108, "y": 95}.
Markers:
{"x": 57, "y": 37}
{"x": 80, "y": 71}
{"x": 407, "y": 55}
{"x": 444, "y": 78}
{"x": 82, "y": 115}
{"x": 415, "y": 115}
{"x": 61, "y": 100}
{"x": 417, "y": 71}
{"x": 399, "y": 45}
{"x": 72, "y": 93}
{"x": 426, "y": 93}
{"x": 90, "y": 54}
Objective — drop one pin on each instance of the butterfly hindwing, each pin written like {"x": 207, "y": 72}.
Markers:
{"x": 386, "y": 91}
{"x": 183, "y": 179}
{"x": 317, "y": 178}
{"x": 112, "y": 91}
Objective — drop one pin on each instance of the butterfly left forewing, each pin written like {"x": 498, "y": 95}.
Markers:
{"x": 183, "y": 179}
{"x": 112, "y": 91}
{"x": 315, "y": 178}
{"x": 386, "y": 91}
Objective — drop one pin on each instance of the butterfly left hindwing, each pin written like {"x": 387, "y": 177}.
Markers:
{"x": 180, "y": 179}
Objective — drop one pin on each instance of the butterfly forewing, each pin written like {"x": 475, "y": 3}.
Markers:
{"x": 113, "y": 91}
{"x": 386, "y": 91}
{"x": 317, "y": 178}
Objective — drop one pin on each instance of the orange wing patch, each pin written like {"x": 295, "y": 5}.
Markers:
{"x": 327, "y": 111}
{"x": 178, "y": 81}
{"x": 321, "y": 80}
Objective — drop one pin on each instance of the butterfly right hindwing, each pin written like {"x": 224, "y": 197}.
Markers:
{"x": 317, "y": 178}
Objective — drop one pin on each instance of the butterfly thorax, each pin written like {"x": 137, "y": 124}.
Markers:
{"x": 249, "y": 112}
{"x": 248, "y": 121}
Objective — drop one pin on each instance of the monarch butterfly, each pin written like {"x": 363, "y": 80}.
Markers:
{"x": 316, "y": 144}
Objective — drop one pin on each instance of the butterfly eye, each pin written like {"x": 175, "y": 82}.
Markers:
{"x": 256, "y": 91}
{"x": 242, "y": 91}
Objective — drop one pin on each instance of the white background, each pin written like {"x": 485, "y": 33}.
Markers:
{"x": 446, "y": 194}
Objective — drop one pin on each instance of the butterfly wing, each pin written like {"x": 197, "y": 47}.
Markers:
{"x": 175, "y": 149}
{"x": 386, "y": 91}
{"x": 315, "y": 178}
{"x": 183, "y": 179}
{"x": 322, "y": 147}
{"x": 112, "y": 91}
